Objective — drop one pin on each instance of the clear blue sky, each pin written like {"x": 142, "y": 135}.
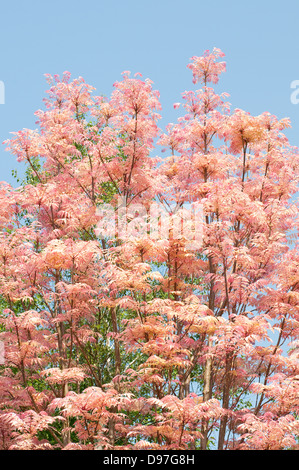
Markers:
{"x": 99, "y": 39}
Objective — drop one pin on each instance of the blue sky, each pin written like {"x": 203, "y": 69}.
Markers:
{"x": 98, "y": 40}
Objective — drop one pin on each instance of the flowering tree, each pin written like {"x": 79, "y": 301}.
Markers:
{"x": 122, "y": 338}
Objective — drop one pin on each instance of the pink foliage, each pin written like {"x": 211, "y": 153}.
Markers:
{"x": 139, "y": 342}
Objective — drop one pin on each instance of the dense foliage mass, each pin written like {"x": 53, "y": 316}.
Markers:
{"x": 131, "y": 340}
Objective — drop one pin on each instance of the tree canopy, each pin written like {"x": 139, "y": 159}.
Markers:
{"x": 121, "y": 335}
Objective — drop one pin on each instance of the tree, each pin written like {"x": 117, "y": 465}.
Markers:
{"x": 123, "y": 331}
